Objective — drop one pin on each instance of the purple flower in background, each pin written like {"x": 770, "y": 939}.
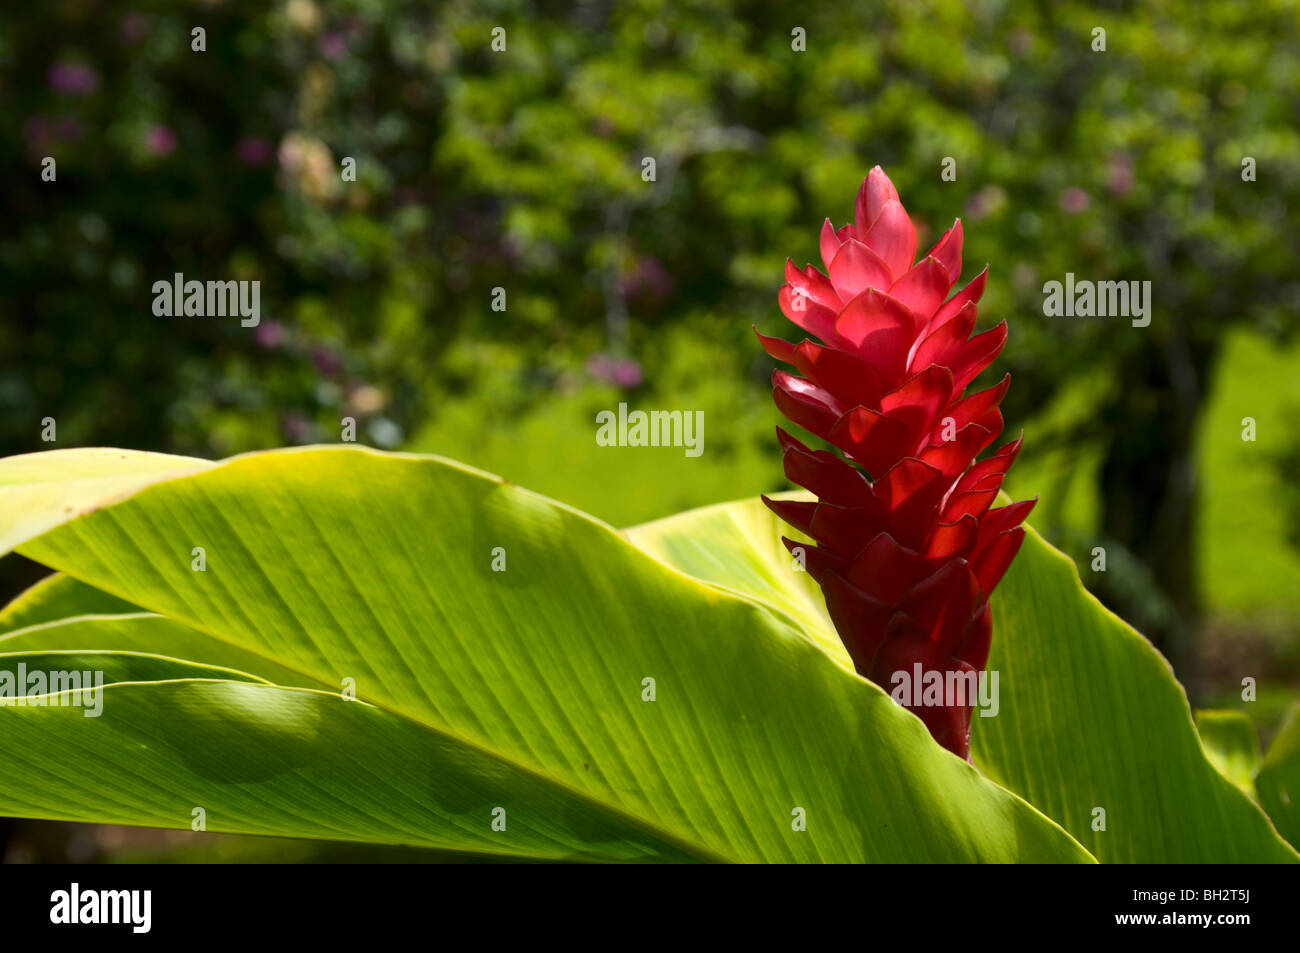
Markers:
{"x": 160, "y": 140}
{"x": 1074, "y": 200}
{"x": 333, "y": 46}
{"x": 42, "y": 132}
{"x": 1119, "y": 173}
{"x": 297, "y": 428}
{"x": 628, "y": 374}
{"x": 327, "y": 362}
{"x": 600, "y": 366}
{"x": 270, "y": 334}
{"x": 625, "y": 373}
{"x": 654, "y": 277}
{"x": 254, "y": 150}
{"x": 73, "y": 79}
{"x": 647, "y": 276}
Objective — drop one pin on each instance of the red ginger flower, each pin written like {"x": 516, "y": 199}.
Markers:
{"x": 908, "y": 552}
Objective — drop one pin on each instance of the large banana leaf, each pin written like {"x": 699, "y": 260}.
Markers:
{"x": 524, "y": 689}
{"x": 1090, "y": 714}
{"x": 261, "y": 759}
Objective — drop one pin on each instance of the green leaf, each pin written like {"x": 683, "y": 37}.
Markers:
{"x": 1278, "y": 779}
{"x": 98, "y": 668}
{"x": 262, "y": 759}
{"x": 1090, "y": 714}
{"x": 42, "y": 490}
{"x": 343, "y": 563}
{"x": 57, "y": 597}
{"x": 737, "y": 548}
{"x": 146, "y": 632}
{"x": 1231, "y": 744}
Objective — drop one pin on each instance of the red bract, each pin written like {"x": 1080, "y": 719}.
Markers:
{"x": 908, "y": 549}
